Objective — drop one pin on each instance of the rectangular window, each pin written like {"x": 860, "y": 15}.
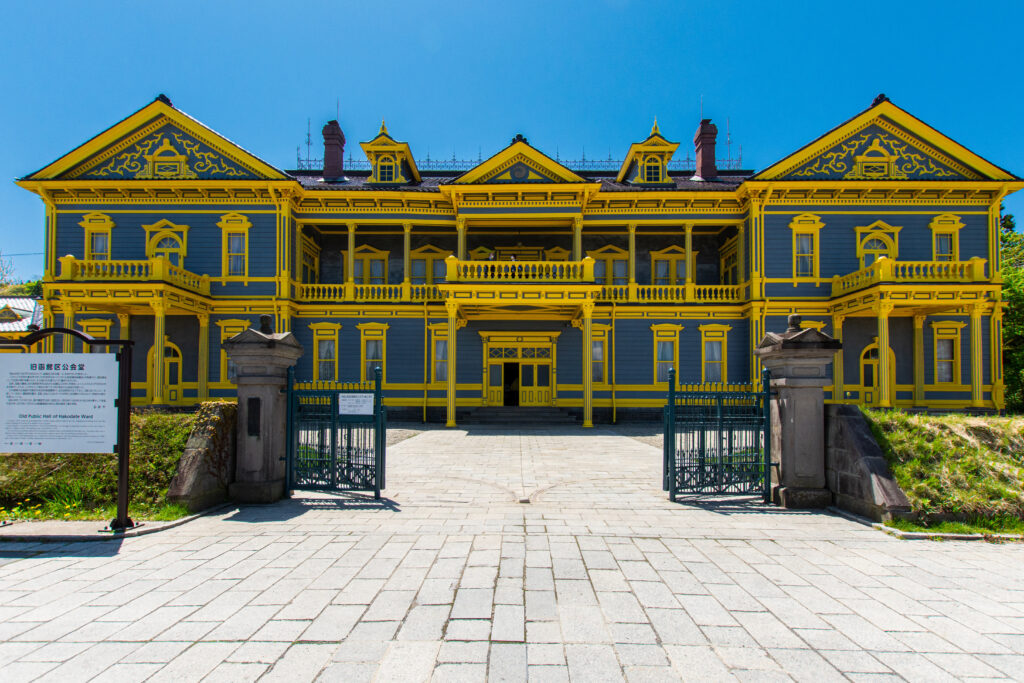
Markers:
{"x": 946, "y": 335}
{"x": 418, "y": 276}
{"x": 440, "y": 360}
{"x": 99, "y": 246}
{"x": 373, "y": 357}
{"x": 668, "y": 266}
{"x": 597, "y": 359}
{"x": 804, "y": 255}
{"x": 713, "y": 362}
{"x": 944, "y": 247}
{"x": 386, "y": 173}
{"x": 945, "y": 360}
{"x": 236, "y": 255}
{"x": 326, "y": 360}
{"x": 665, "y": 359}
{"x": 652, "y": 172}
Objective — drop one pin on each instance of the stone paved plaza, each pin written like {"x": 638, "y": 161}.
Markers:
{"x": 506, "y": 555}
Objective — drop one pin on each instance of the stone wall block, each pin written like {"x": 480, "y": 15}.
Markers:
{"x": 207, "y": 467}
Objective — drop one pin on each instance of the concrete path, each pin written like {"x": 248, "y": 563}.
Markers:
{"x": 594, "y": 577}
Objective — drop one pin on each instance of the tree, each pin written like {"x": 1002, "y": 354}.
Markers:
{"x": 1011, "y": 244}
{"x": 6, "y": 270}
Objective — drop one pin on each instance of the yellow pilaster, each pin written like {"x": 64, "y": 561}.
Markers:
{"x": 203, "y": 371}
{"x": 885, "y": 372}
{"x": 690, "y": 288}
{"x": 124, "y": 323}
{"x": 632, "y": 288}
{"x": 919, "y": 360}
{"x": 588, "y": 365}
{"x": 159, "y": 337}
{"x": 996, "y": 345}
{"x": 741, "y": 251}
{"x": 976, "y": 356}
{"x": 406, "y": 261}
{"x": 350, "y": 266}
{"x": 838, "y": 388}
{"x": 756, "y": 333}
{"x": 69, "y": 323}
{"x": 577, "y": 238}
{"x": 453, "y": 311}
{"x": 460, "y": 228}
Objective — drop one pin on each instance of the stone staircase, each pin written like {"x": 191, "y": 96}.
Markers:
{"x": 526, "y": 416}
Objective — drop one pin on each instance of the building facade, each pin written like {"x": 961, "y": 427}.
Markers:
{"x": 523, "y": 282}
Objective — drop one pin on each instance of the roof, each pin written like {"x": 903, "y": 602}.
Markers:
{"x": 29, "y": 310}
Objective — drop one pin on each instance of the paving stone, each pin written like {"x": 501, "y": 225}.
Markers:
{"x": 508, "y": 662}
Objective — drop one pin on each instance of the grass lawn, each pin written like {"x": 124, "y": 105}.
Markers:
{"x": 965, "y": 468}
{"x": 84, "y": 486}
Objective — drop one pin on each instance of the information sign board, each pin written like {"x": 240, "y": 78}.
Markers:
{"x": 58, "y": 402}
{"x": 355, "y": 404}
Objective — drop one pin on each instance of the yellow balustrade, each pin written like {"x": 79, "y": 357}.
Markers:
{"x": 565, "y": 272}
{"x": 673, "y": 293}
{"x": 888, "y": 270}
{"x": 157, "y": 268}
{"x": 379, "y": 292}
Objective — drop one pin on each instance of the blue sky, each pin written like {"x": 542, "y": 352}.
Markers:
{"x": 464, "y": 77}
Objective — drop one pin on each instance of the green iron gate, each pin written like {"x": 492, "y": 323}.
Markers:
{"x": 337, "y": 437}
{"x": 718, "y": 442}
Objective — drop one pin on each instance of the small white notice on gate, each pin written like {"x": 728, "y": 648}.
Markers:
{"x": 355, "y": 404}
{"x": 58, "y": 402}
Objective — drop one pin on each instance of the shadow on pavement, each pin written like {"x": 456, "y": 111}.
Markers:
{"x": 738, "y": 505}
{"x": 302, "y": 502}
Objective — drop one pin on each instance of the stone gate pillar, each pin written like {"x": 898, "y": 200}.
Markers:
{"x": 262, "y": 358}
{"x": 798, "y": 359}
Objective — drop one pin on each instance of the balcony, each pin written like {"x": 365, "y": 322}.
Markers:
{"x": 890, "y": 271}
{"x": 367, "y": 293}
{"x": 536, "y": 272}
{"x": 156, "y": 269}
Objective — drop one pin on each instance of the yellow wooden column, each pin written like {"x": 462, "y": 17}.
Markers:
{"x": 350, "y": 265}
{"x": 756, "y": 333}
{"x": 159, "y": 337}
{"x": 577, "y": 238}
{"x": 406, "y": 261}
{"x": 460, "y": 228}
{"x": 203, "y": 371}
{"x": 885, "y": 372}
{"x": 976, "y": 356}
{"x": 588, "y": 365}
{"x": 631, "y": 287}
{"x": 838, "y": 389}
{"x": 453, "y": 311}
{"x": 741, "y": 253}
{"x": 995, "y": 322}
{"x": 124, "y": 323}
{"x": 919, "y": 360}
{"x": 690, "y": 289}
{"x": 69, "y": 323}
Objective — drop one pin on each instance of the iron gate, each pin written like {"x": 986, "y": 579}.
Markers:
{"x": 718, "y": 442}
{"x": 337, "y": 437}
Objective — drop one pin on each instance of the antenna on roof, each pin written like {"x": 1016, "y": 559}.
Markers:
{"x": 728, "y": 138}
{"x": 309, "y": 139}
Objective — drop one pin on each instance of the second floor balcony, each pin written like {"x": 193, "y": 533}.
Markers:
{"x": 886, "y": 270}
{"x": 155, "y": 269}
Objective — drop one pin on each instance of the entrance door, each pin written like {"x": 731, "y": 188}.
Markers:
{"x": 535, "y": 383}
{"x": 511, "y": 384}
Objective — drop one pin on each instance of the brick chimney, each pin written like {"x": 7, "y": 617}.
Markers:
{"x": 334, "y": 151}
{"x": 704, "y": 142}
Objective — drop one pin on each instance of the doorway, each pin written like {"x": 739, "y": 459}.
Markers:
{"x": 519, "y": 368}
{"x": 510, "y": 384}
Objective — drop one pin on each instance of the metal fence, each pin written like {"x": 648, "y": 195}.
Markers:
{"x": 718, "y": 442}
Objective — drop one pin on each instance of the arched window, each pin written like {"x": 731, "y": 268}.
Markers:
{"x": 877, "y": 240}
{"x": 386, "y": 169}
{"x": 167, "y": 240}
{"x": 874, "y": 247}
{"x": 169, "y": 247}
{"x": 652, "y": 170}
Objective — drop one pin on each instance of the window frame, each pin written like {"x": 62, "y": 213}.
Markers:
{"x": 947, "y": 330}
{"x": 98, "y": 328}
{"x": 309, "y": 248}
{"x": 673, "y": 254}
{"x": 438, "y": 332}
{"x": 157, "y": 232}
{"x": 647, "y": 163}
{"x": 364, "y": 254}
{"x": 729, "y": 261}
{"x": 96, "y": 223}
{"x": 669, "y": 333}
{"x": 805, "y": 225}
{"x": 948, "y": 225}
{"x": 888, "y": 234}
{"x": 608, "y": 255}
{"x": 428, "y": 253}
{"x": 229, "y": 327}
{"x": 325, "y": 332}
{"x": 600, "y": 335}
{"x": 711, "y": 334}
{"x": 234, "y": 224}
{"x": 373, "y": 332}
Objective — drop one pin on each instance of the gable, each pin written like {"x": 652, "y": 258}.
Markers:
{"x": 883, "y": 143}
{"x": 519, "y": 163}
{"x": 158, "y": 142}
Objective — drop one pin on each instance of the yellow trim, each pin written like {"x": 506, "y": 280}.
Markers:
{"x": 806, "y": 224}
{"x": 175, "y": 392}
{"x": 654, "y": 146}
{"x": 429, "y": 254}
{"x": 438, "y": 332}
{"x": 876, "y": 390}
{"x": 665, "y": 333}
{"x": 96, "y": 223}
{"x": 385, "y": 150}
{"x": 164, "y": 228}
{"x": 234, "y": 224}
{"x": 325, "y": 332}
{"x": 710, "y": 334}
{"x": 506, "y": 158}
{"x": 98, "y": 328}
{"x": 601, "y": 333}
{"x": 229, "y": 328}
{"x": 671, "y": 255}
{"x": 610, "y": 255}
{"x": 365, "y": 255}
{"x": 309, "y": 248}
{"x": 373, "y": 332}
{"x": 947, "y": 330}
{"x": 946, "y": 224}
{"x": 888, "y": 234}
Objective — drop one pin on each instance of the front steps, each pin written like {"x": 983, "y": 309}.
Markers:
{"x": 525, "y": 416}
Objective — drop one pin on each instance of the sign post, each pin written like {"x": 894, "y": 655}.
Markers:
{"x": 69, "y": 403}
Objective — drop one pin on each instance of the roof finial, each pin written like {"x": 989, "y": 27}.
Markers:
{"x": 879, "y": 98}
{"x": 383, "y": 128}
{"x": 654, "y": 128}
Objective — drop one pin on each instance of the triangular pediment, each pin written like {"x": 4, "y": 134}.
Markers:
{"x": 158, "y": 142}
{"x": 518, "y": 163}
{"x": 883, "y": 143}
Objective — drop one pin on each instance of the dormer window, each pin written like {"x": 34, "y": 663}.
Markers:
{"x": 652, "y": 170}
{"x": 386, "y": 169}
{"x": 646, "y": 163}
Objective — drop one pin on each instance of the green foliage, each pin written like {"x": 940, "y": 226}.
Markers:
{"x": 955, "y": 466}
{"x": 973, "y": 525}
{"x": 84, "y": 486}
{"x": 33, "y": 288}
{"x": 1011, "y": 245}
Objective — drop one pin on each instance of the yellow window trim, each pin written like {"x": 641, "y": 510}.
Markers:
{"x": 729, "y": 251}
{"x": 600, "y": 332}
{"x": 382, "y": 159}
{"x": 234, "y": 224}
{"x": 367, "y": 332}
{"x": 429, "y": 254}
{"x": 666, "y": 332}
{"x": 802, "y": 225}
{"x": 714, "y": 333}
{"x": 946, "y": 224}
{"x": 365, "y": 254}
{"x": 438, "y": 332}
{"x": 98, "y": 328}
{"x": 647, "y": 161}
{"x": 557, "y": 254}
{"x": 229, "y": 328}
{"x": 946, "y": 329}
{"x": 164, "y": 228}
{"x": 609, "y": 254}
{"x": 888, "y": 234}
{"x": 310, "y": 248}
{"x": 97, "y": 223}
{"x": 325, "y": 332}
{"x": 672, "y": 254}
